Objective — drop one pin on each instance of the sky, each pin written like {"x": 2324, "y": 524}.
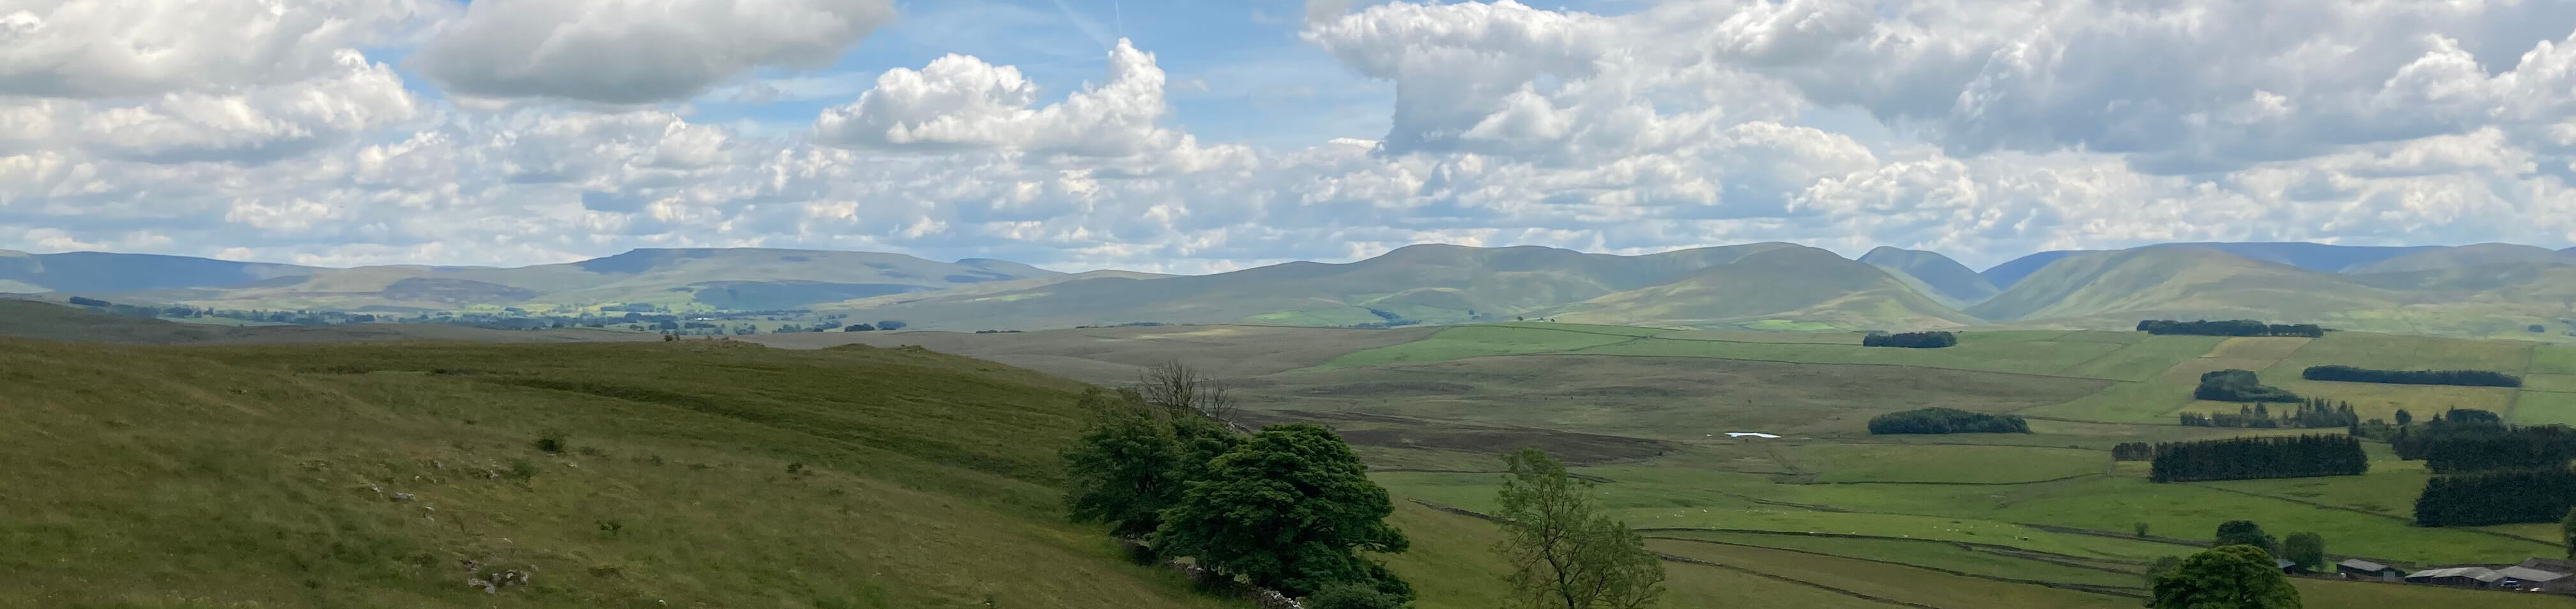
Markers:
{"x": 1197, "y": 136}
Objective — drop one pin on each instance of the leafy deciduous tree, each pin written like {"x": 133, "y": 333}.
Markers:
{"x": 1289, "y": 509}
{"x": 2246, "y": 533}
{"x": 2307, "y": 549}
{"x": 1122, "y": 470}
{"x": 2567, "y": 531}
{"x": 2226, "y": 577}
{"x": 1564, "y": 552}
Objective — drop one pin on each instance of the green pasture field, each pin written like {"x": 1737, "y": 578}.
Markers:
{"x": 1892, "y": 581}
{"x": 1464, "y": 342}
{"x": 2544, "y": 407}
{"x": 1945, "y": 463}
{"x": 1979, "y": 560}
{"x": 1672, "y": 495}
{"x": 2401, "y": 352}
{"x": 2549, "y": 382}
{"x": 2144, "y": 359}
{"x": 1787, "y": 325}
{"x": 2553, "y": 359}
{"x": 2126, "y": 402}
{"x": 1452, "y": 565}
{"x": 1992, "y": 354}
{"x": 1758, "y": 336}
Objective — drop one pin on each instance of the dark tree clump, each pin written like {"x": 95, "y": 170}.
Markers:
{"x": 2239, "y": 386}
{"x": 2465, "y": 378}
{"x": 2265, "y": 457}
{"x": 2133, "y": 451}
{"x": 1945, "y": 420}
{"x": 2540, "y": 495}
{"x": 2238, "y": 327}
{"x": 1917, "y": 340}
{"x": 2245, "y": 533}
{"x": 2495, "y": 448}
{"x": 2307, "y": 549}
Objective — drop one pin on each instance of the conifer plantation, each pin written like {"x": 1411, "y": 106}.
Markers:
{"x": 2264, "y": 457}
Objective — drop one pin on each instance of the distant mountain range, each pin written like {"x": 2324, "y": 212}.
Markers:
{"x": 2486, "y": 289}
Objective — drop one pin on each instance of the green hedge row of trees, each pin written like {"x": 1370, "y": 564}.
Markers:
{"x": 2465, "y": 378}
{"x": 2233, "y": 327}
{"x": 1937, "y": 420}
{"x": 2239, "y": 386}
{"x": 2267, "y": 457}
{"x": 2538, "y": 495}
{"x": 1916, "y": 340}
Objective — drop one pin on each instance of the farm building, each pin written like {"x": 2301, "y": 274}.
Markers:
{"x": 2519, "y": 577}
{"x": 2465, "y": 577}
{"x": 2362, "y": 569}
{"x": 2553, "y": 565}
{"x": 2291, "y": 567}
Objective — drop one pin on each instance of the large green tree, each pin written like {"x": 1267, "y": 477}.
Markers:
{"x": 2307, "y": 549}
{"x": 2226, "y": 577}
{"x": 2567, "y": 530}
{"x": 1290, "y": 509}
{"x": 1564, "y": 552}
{"x": 1124, "y": 468}
{"x": 2246, "y": 533}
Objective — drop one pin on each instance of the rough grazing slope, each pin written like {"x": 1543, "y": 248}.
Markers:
{"x": 368, "y": 475}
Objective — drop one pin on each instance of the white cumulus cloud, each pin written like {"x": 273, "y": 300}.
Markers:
{"x": 636, "y": 51}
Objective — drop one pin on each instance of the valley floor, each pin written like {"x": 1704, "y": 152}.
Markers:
{"x": 807, "y": 473}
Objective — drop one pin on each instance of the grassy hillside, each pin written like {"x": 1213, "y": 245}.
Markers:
{"x": 698, "y": 474}
{"x": 1937, "y": 274}
{"x": 95, "y": 272}
{"x": 1420, "y": 283}
{"x": 731, "y": 474}
{"x": 1797, "y": 283}
{"x": 2178, "y": 282}
{"x": 48, "y": 321}
{"x": 2466, "y": 256}
{"x": 683, "y": 279}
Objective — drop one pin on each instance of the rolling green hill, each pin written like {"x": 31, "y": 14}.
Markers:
{"x": 2466, "y": 256}
{"x": 1796, "y": 283}
{"x": 697, "y": 474}
{"x": 49, "y": 321}
{"x": 2486, "y": 290}
{"x": 681, "y": 279}
{"x": 2179, "y": 282}
{"x": 1933, "y": 274}
{"x": 102, "y": 272}
{"x": 1453, "y": 284}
